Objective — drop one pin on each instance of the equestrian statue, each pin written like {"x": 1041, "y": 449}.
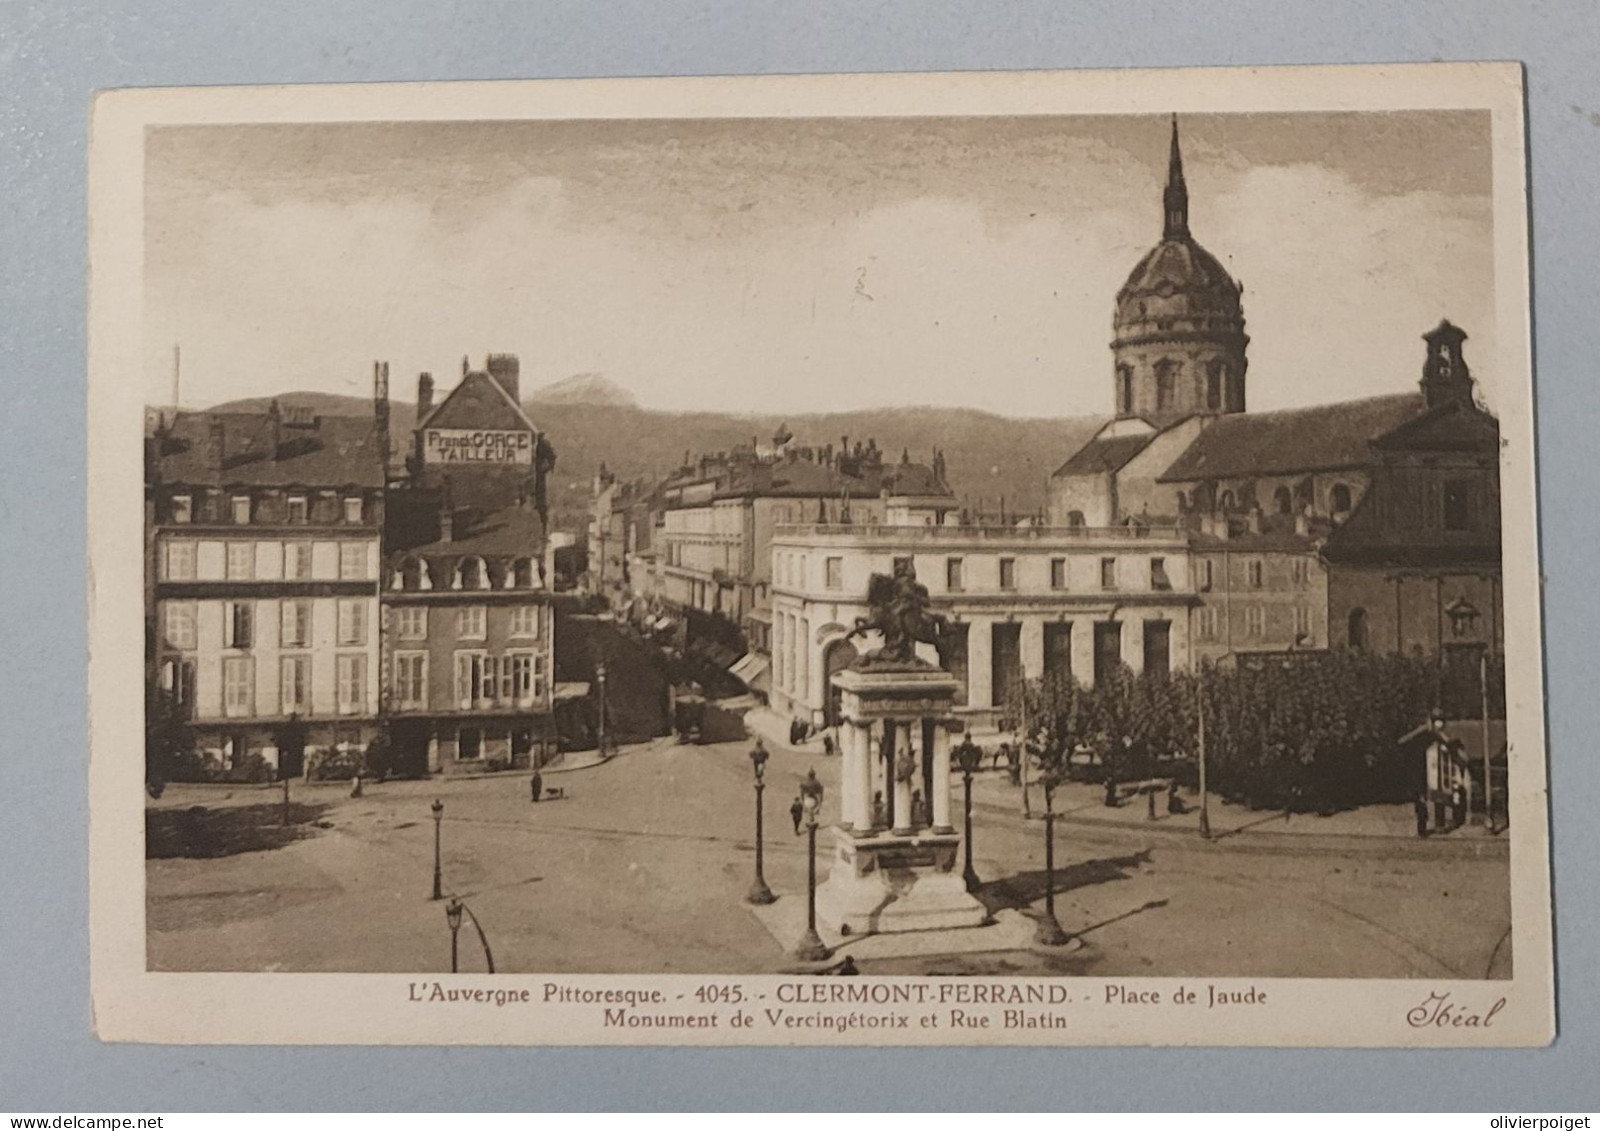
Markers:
{"x": 899, "y": 607}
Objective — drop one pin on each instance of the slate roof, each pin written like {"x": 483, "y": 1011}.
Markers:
{"x": 1324, "y": 438}
{"x": 511, "y": 531}
{"x": 1102, "y": 454}
{"x": 479, "y": 401}
{"x": 913, "y": 479}
{"x": 334, "y": 451}
{"x": 803, "y": 478}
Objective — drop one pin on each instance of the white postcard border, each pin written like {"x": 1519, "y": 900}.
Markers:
{"x": 132, "y": 1003}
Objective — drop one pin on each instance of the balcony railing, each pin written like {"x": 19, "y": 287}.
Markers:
{"x": 931, "y": 533}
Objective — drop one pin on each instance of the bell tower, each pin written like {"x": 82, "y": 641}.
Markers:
{"x": 1445, "y": 376}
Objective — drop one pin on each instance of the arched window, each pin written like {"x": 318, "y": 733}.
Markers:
{"x": 1227, "y": 502}
{"x": 1283, "y": 501}
{"x": 1166, "y": 379}
{"x": 1339, "y": 498}
{"x": 471, "y": 573}
{"x": 1214, "y": 376}
{"x": 522, "y": 573}
{"x": 1125, "y": 388}
{"x": 1356, "y": 634}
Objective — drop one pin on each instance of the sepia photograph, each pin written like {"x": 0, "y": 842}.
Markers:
{"x": 1016, "y": 550}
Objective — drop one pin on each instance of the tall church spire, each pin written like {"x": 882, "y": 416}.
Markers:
{"x": 1176, "y": 196}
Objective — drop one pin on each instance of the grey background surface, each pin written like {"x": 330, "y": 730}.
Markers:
{"x": 54, "y": 56}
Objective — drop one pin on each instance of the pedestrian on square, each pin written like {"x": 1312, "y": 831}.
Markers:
{"x": 536, "y": 786}
{"x": 1175, "y": 805}
{"x": 827, "y": 745}
{"x": 1111, "y": 789}
{"x": 797, "y": 810}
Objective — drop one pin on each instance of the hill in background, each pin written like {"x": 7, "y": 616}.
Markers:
{"x": 989, "y": 457}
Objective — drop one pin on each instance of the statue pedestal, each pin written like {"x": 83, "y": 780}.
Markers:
{"x": 896, "y": 861}
{"x": 888, "y": 882}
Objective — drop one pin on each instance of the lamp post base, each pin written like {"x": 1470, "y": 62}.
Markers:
{"x": 1049, "y": 932}
{"x": 760, "y": 893}
{"x": 970, "y": 877}
{"x": 811, "y": 948}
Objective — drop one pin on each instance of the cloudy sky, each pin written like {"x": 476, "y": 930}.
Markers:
{"x": 802, "y": 265}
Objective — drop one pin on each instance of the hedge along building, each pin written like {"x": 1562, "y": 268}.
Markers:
{"x": 469, "y": 634}
{"x": 265, "y": 543}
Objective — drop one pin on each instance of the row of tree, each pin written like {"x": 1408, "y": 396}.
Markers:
{"x": 1309, "y": 732}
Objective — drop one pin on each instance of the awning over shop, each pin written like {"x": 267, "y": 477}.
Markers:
{"x": 751, "y": 669}
{"x": 565, "y": 692}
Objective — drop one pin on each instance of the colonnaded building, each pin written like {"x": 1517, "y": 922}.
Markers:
{"x": 1188, "y": 529}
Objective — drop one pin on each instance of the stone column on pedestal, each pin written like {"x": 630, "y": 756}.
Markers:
{"x": 1133, "y": 642}
{"x": 941, "y": 779}
{"x": 1083, "y": 650}
{"x": 848, "y": 782}
{"x": 886, "y": 875}
{"x": 904, "y": 750}
{"x": 980, "y": 661}
{"x": 861, "y": 768}
{"x": 1032, "y": 644}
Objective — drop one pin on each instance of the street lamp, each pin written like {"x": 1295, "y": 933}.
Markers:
{"x": 1200, "y": 749}
{"x": 600, "y": 729}
{"x": 452, "y": 916}
{"x": 1049, "y": 932}
{"x": 811, "y": 948}
{"x": 968, "y": 756}
{"x": 759, "y": 891}
{"x": 453, "y": 912}
{"x": 438, "y": 874}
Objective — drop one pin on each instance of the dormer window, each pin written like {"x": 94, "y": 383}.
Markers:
{"x": 241, "y": 510}
{"x": 299, "y": 508}
{"x": 352, "y": 508}
{"x": 471, "y": 573}
{"x": 522, "y": 574}
{"x": 183, "y": 508}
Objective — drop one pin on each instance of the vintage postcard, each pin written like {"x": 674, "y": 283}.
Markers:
{"x": 1039, "y": 558}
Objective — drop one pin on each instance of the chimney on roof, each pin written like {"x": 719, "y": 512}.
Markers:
{"x": 506, "y": 370}
{"x": 274, "y": 429}
{"x": 216, "y": 445}
{"x": 424, "y": 395}
{"x": 380, "y": 412}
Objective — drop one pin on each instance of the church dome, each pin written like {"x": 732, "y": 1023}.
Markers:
{"x": 1178, "y": 339}
{"x": 1178, "y": 285}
